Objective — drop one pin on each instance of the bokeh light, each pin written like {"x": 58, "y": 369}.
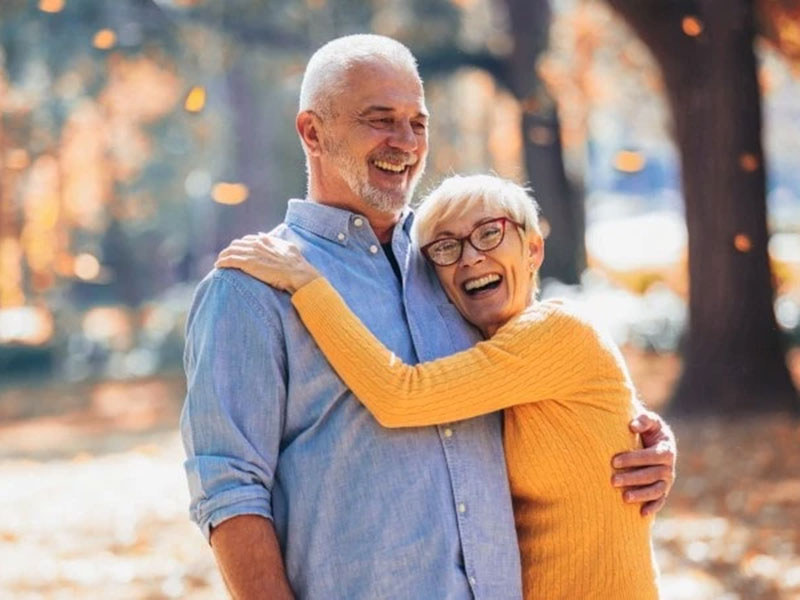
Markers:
{"x": 629, "y": 161}
{"x": 742, "y": 242}
{"x": 692, "y": 26}
{"x": 230, "y": 193}
{"x": 104, "y": 39}
{"x": 195, "y": 99}
{"x": 86, "y": 266}
{"x": 51, "y": 6}
{"x": 749, "y": 162}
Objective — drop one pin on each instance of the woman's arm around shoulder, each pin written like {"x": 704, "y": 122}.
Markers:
{"x": 531, "y": 358}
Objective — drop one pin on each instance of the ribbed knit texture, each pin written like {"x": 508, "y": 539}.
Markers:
{"x": 568, "y": 401}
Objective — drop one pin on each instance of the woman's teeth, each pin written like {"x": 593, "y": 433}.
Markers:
{"x": 474, "y": 285}
{"x": 389, "y": 166}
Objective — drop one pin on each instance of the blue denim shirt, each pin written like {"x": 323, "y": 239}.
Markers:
{"x": 269, "y": 429}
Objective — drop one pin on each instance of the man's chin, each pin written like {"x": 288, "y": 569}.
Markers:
{"x": 388, "y": 202}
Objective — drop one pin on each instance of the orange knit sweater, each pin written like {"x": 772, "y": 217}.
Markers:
{"x": 568, "y": 401}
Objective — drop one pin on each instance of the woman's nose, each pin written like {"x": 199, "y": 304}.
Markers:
{"x": 470, "y": 256}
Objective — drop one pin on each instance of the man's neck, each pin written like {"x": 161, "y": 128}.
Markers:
{"x": 383, "y": 229}
{"x": 382, "y": 223}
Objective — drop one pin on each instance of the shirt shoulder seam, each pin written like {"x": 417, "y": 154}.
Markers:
{"x": 250, "y": 300}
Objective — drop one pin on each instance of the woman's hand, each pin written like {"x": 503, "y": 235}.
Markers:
{"x": 274, "y": 261}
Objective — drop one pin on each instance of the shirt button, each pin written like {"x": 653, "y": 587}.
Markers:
{"x": 462, "y": 508}
{"x": 448, "y": 432}
{"x": 472, "y": 581}
{"x": 341, "y": 237}
{"x": 358, "y": 221}
{"x": 373, "y": 249}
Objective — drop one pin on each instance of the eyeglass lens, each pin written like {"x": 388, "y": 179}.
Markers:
{"x": 485, "y": 236}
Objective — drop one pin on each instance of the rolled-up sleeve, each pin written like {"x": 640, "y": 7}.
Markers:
{"x": 235, "y": 404}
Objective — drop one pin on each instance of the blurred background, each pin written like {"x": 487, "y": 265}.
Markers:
{"x": 138, "y": 137}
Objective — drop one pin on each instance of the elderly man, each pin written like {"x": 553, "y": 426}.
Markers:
{"x": 297, "y": 487}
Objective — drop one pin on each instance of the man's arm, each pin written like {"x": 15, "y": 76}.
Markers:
{"x": 231, "y": 426}
{"x": 648, "y": 473}
{"x": 249, "y": 558}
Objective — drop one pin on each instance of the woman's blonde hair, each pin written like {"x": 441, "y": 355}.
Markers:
{"x": 458, "y": 194}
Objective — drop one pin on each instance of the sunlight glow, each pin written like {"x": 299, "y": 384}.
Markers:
{"x": 748, "y": 162}
{"x": 692, "y": 26}
{"x": 87, "y": 267}
{"x": 230, "y": 193}
{"x": 51, "y": 6}
{"x": 104, "y": 39}
{"x": 629, "y": 161}
{"x": 29, "y": 325}
{"x": 195, "y": 99}
{"x": 17, "y": 159}
{"x": 742, "y": 242}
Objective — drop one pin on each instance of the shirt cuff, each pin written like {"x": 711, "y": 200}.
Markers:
{"x": 245, "y": 500}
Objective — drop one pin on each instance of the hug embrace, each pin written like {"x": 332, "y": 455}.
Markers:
{"x": 395, "y": 414}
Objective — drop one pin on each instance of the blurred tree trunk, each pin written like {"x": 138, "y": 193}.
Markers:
{"x": 252, "y": 164}
{"x": 734, "y": 360}
{"x": 561, "y": 203}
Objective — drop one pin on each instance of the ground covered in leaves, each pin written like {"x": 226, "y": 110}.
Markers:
{"x": 93, "y": 500}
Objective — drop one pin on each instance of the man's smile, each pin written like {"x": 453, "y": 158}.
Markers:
{"x": 391, "y": 167}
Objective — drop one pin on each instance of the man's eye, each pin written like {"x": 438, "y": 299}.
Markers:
{"x": 419, "y": 126}
{"x": 382, "y": 122}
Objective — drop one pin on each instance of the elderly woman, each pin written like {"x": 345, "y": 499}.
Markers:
{"x": 565, "y": 390}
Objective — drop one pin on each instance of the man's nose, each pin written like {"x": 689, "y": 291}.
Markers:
{"x": 403, "y": 137}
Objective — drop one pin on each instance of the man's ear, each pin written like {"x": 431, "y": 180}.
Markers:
{"x": 535, "y": 250}
{"x": 308, "y": 127}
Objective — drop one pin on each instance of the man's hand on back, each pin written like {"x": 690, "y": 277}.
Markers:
{"x": 647, "y": 475}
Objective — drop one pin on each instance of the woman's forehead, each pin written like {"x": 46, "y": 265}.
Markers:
{"x": 462, "y": 215}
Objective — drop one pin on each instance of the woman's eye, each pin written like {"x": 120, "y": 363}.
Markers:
{"x": 490, "y": 232}
{"x": 445, "y": 247}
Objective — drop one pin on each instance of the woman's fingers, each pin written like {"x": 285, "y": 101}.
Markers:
{"x": 660, "y": 454}
{"x": 273, "y": 260}
{"x": 642, "y": 476}
{"x": 652, "y": 507}
{"x": 647, "y": 493}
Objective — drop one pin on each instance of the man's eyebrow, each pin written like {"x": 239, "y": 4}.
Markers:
{"x": 376, "y": 108}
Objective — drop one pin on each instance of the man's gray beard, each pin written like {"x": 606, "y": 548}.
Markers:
{"x": 381, "y": 200}
{"x": 355, "y": 175}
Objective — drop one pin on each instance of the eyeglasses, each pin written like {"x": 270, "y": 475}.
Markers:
{"x": 486, "y": 236}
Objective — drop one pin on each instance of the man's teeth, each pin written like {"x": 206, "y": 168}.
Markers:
{"x": 389, "y": 166}
{"x": 480, "y": 282}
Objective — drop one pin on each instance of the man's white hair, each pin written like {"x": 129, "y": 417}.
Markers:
{"x": 326, "y": 73}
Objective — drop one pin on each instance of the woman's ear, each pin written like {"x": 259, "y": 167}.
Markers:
{"x": 535, "y": 251}
{"x": 308, "y": 126}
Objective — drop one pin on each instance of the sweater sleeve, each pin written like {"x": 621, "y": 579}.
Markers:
{"x": 544, "y": 353}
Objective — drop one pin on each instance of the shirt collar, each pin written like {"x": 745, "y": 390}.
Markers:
{"x": 329, "y": 221}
